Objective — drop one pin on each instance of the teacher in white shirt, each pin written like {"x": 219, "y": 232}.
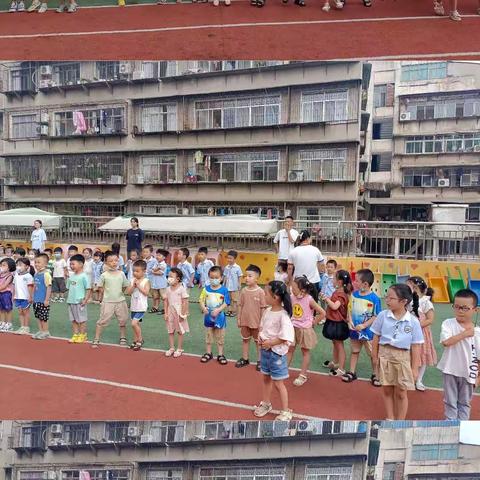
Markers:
{"x": 38, "y": 237}
{"x": 285, "y": 239}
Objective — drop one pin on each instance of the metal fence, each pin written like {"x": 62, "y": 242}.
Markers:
{"x": 402, "y": 240}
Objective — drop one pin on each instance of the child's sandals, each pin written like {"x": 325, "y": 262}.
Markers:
{"x": 375, "y": 381}
{"x": 137, "y": 346}
{"x": 123, "y": 341}
{"x": 285, "y": 416}
{"x": 153, "y": 310}
{"x": 455, "y": 16}
{"x": 95, "y": 343}
{"x": 222, "y": 360}
{"x": 300, "y": 380}
{"x": 349, "y": 377}
{"x": 328, "y": 364}
{"x": 438, "y": 8}
{"x": 177, "y": 353}
{"x": 169, "y": 352}
{"x": 262, "y": 409}
{"x": 206, "y": 357}
{"x": 326, "y": 7}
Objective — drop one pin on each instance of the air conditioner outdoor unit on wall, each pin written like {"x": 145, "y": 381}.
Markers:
{"x": 45, "y": 70}
{"x": 44, "y": 130}
{"x": 125, "y": 68}
{"x": 295, "y": 176}
{"x": 405, "y": 116}
{"x": 443, "y": 182}
{"x": 133, "y": 432}
{"x": 56, "y": 429}
{"x": 476, "y": 148}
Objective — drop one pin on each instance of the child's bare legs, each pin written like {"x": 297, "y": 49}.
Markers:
{"x": 305, "y": 361}
{"x": 171, "y": 341}
{"x": 24, "y": 317}
{"x": 400, "y": 403}
{"x": 9, "y": 316}
{"x": 83, "y": 328}
{"x": 245, "y": 348}
{"x": 3, "y": 316}
{"x": 356, "y": 347}
{"x": 179, "y": 341}
{"x": 291, "y": 352}
{"x": 123, "y": 331}
{"x": 156, "y": 299}
{"x": 220, "y": 347}
{"x": 388, "y": 400}
{"x": 137, "y": 331}
{"x": 339, "y": 354}
{"x": 98, "y": 332}
{"x": 267, "y": 389}
{"x": 282, "y": 390}
{"x": 75, "y": 328}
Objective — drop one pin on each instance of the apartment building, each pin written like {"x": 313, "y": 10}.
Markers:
{"x": 424, "y": 139}
{"x": 425, "y": 450}
{"x": 106, "y": 138}
{"x": 220, "y": 450}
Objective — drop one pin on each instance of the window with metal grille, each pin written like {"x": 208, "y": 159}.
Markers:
{"x": 324, "y": 106}
{"x": 116, "y": 431}
{"x": 380, "y": 96}
{"x": 418, "y": 177}
{"x": 33, "y": 436}
{"x": 76, "y": 433}
{"x": 157, "y": 169}
{"x": 31, "y": 475}
{"x": 321, "y": 214}
{"x": 158, "y": 209}
{"x": 159, "y": 118}
{"x": 242, "y": 473}
{"x": 97, "y": 474}
{"x": 323, "y": 164}
{"x": 424, "y": 71}
{"x": 453, "y": 143}
{"x": 167, "y": 431}
{"x": 165, "y": 474}
{"x": 21, "y": 78}
{"x": 442, "y": 451}
{"x": 108, "y": 70}
{"x": 66, "y": 73}
{"x": 238, "y": 112}
{"x": 328, "y": 472}
{"x": 389, "y": 470}
{"x": 447, "y": 107}
{"x": 159, "y": 69}
{"x": 25, "y": 126}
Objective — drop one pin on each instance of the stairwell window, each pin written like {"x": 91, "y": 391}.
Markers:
{"x": 326, "y": 106}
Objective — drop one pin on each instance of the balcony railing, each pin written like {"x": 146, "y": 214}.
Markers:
{"x": 29, "y": 437}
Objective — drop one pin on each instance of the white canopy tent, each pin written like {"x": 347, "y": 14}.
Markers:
{"x": 230, "y": 224}
{"x": 24, "y": 217}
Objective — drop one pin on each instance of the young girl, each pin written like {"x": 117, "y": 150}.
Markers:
{"x": 422, "y": 308}
{"x": 7, "y": 268}
{"x": 396, "y": 350}
{"x": 88, "y": 265}
{"x": 23, "y": 282}
{"x": 159, "y": 280}
{"x": 275, "y": 337}
{"x": 281, "y": 273}
{"x": 304, "y": 305}
{"x": 121, "y": 261}
{"x": 336, "y": 325}
{"x": 97, "y": 272}
{"x": 176, "y": 312}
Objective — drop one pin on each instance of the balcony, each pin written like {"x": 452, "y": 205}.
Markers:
{"x": 18, "y": 79}
{"x": 29, "y": 438}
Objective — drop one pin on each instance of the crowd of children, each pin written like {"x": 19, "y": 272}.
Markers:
{"x": 276, "y": 319}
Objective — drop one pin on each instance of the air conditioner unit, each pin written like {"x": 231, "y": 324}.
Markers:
{"x": 45, "y": 70}
{"x": 138, "y": 75}
{"x": 476, "y": 148}
{"x": 405, "y": 116}
{"x": 443, "y": 182}
{"x": 44, "y": 117}
{"x": 44, "y": 130}
{"x": 305, "y": 427}
{"x": 133, "y": 432}
{"x": 56, "y": 429}
{"x": 125, "y": 68}
{"x": 295, "y": 176}
{"x": 146, "y": 439}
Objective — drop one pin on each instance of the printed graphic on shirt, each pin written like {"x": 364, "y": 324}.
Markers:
{"x": 297, "y": 310}
{"x": 362, "y": 310}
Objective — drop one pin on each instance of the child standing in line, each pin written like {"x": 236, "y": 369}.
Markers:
{"x": 336, "y": 324}
{"x": 304, "y": 300}
{"x": 159, "y": 280}
{"x": 203, "y": 267}
{"x": 88, "y": 266}
{"x": 139, "y": 289}
{"x": 460, "y": 362}
{"x": 133, "y": 256}
{"x": 111, "y": 287}
{"x": 396, "y": 350}
{"x": 79, "y": 291}
{"x": 149, "y": 259}
{"x": 422, "y": 308}
{"x": 49, "y": 253}
{"x": 364, "y": 308}
{"x": 281, "y": 273}
{"x": 23, "y": 294}
{"x": 232, "y": 276}
{"x": 97, "y": 272}
{"x": 7, "y": 269}
{"x": 72, "y": 250}
{"x": 250, "y": 310}
{"x": 176, "y": 312}
{"x": 275, "y": 337}
{"x": 60, "y": 272}
{"x": 41, "y": 296}
{"x": 327, "y": 280}
{"x": 214, "y": 300}
{"x": 187, "y": 270}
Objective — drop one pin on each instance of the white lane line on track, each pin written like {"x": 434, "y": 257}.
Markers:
{"x": 141, "y": 388}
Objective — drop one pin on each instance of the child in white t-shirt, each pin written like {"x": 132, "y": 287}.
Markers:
{"x": 23, "y": 294}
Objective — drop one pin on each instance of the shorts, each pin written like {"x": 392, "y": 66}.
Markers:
{"x": 59, "y": 285}
{"x": 354, "y": 335}
{"x": 41, "y": 311}
{"x": 215, "y": 335}
{"x": 110, "y": 309}
{"x": 305, "y": 338}
{"x": 273, "y": 364}
{"x": 137, "y": 316}
{"x": 247, "y": 333}
{"x": 367, "y": 344}
{"x": 336, "y": 330}
{"x": 6, "y": 302}
{"x": 394, "y": 368}
{"x": 22, "y": 304}
{"x": 77, "y": 313}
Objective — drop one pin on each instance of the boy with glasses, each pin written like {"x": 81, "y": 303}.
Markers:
{"x": 460, "y": 360}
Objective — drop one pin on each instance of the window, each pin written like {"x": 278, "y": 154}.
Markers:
{"x": 443, "y": 451}
{"x": 97, "y": 474}
{"x": 108, "y": 70}
{"x": 158, "y": 209}
{"x": 167, "y": 431}
{"x": 239, "y": 112}
{"x": 418, "y": 177}
{"x": 165, "y": 474}
{"x": 157, "y": 169}
{"x": 66, "y": 73}
{"x": 329, "y": 472}
{"x": 159, "y": 118}
{"x": 389, "y": 470}
{"x": 380, "y": 96}
{"x": 25, "y": 126}
{"x": 381, "y": 162}
{"x": 318, "y": 215}
{"x": 242, "y": 473}
{"x": 21, "y": 78}
{"x": 443, "y": 107}
{"x": 116, "y": 431}
{"x": 328, "y": 106}
{"x": 159, "y": 69}
{"x": 37, "y": 475}
{"x": 76, "y": 433}
{"x": 1, "y": 125}
{"x": 473, "y": 213}
{"x": 453, "y": 143}
{"x": 424, "y": 71}
{"x": 33, "y": 436}
{"x": 320, "y": 165}
{"x": 382, "y": 129}
{"x": 217, "y": 430}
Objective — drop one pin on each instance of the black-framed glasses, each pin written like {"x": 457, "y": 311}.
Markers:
{"x": 462, "y": 308}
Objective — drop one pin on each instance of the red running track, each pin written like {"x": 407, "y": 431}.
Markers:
{"x": 391, "y": 28}
{"x": 52, "y": 379}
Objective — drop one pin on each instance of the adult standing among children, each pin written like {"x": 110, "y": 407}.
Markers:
{"x": 135, "y": 236}
{"x": 306, "y": 260}
{"x": 285, "y": 239}
{"x": 38, "y": 237}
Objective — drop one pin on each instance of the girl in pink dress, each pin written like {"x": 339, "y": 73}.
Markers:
{"x": 422, "y": 308}
{"x": 176, "y": 312}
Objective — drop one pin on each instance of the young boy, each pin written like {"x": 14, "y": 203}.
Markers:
{"x": 328, "y": 278}
{"x": 250, "y": 310}
{"x": 232, "y": 275}
{"x": 365, "y": 305}
{"x": 8, "y": 252}
{"x": 41, "y": 296}
{"x": 186, "y": 268}
{"x": 214, "y": 300}
{"x": 159, "y": 280}
{"x": 49, "y": 253}
{"x": 79, "y": 290}
{"x": 133, "y": 256}
{"x": 72, "y": 250}
{"x": 60, "y": 272}
{"x": 23, "y": 282}
{"x": 203, "y": 267}
{"x": 139, "y": 289}
{"x": 19, "y": 253}
{"x": 461, "y": 357}
{"x": 112, "y": 285}
{"x": 97, "y": 272}
{"x": 149, "y": 259}
{"x": 7, "y": 270}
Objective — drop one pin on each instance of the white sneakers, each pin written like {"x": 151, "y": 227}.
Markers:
{"x": 22, "y": 331}
{"x": 420, "y": 386}
{"x": 6, "y": 327}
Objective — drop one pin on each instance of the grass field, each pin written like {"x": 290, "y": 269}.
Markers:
{"x": 156, "y": 336}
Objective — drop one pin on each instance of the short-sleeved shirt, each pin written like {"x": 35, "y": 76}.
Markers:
{"x": 251, "y": 307}
{"x": 231, "y": 277}
{"x": 327, "y": 287}
{"x": 277, "y": 325}
{"x": 22, "y": 283}
{"x": 213, "y": 299}
{"x": 460, "y": 359}
{"x": 97, "y": 271}
{"x": 139, "y": 301}
{"x": 284, "y": 245}
{"x": 202, "y": 269}
{"x": 397, "y": 333}
{"x": 160, "y": 281}
{"x": 362, "y": 309}
{"x": 151, "y": 264}
{"x": 113, "y": 284}
{"x": 302, "y": 311}
{"x": 59, "y": 268}
{"x": 42, "y": 281}
{"x": 187, "y": 270}
{"x": 305, "y": 259}
{"x": 77, "y": 285}
{"x": 38, "y": 238}
{"x": 339, "y": 315}
{"x": 134, "y": 239}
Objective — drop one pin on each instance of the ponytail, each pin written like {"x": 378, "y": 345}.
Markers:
{"x": 304, "y": 235}
{"x": 344, "y": 276}
{"x": 415, "y": 303}
{"x": 304, "y": 284}
{"x": 280, "y": 290}
{"x": 430, "y": 292}
{"x": 421, "y": 284}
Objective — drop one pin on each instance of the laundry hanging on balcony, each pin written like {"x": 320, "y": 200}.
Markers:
{"x": 84, "y": 475}
{"x": 79, "y": 123}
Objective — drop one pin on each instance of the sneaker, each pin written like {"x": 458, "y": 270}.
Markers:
{"x": 2, "y": 324}
{"x": 72, "y": 8}
{"x": 8, "y": 327}
{"x": 61, "y": 8}
{"x": 20, "y": 331}
{"x": 420, "y": 386}
{"x": 43, "y": 8}
{"x": 13, "y": 7}
{"x": 36, "y": 335}
{"x": 74, "y": 338}
{"x": 262, "y": 409}
{"x": 26, "y": 331}
{"x": 34, "y": 6}
{"x": 285, "y": 415}
{"x": 42, "y": 335}
{"x": 455, "y": 16}
{"x": 326, "y": 7}
{"x": 216, "y": 3}
{"x": 338, "y": 4}
{"x": 20, "y": 7}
